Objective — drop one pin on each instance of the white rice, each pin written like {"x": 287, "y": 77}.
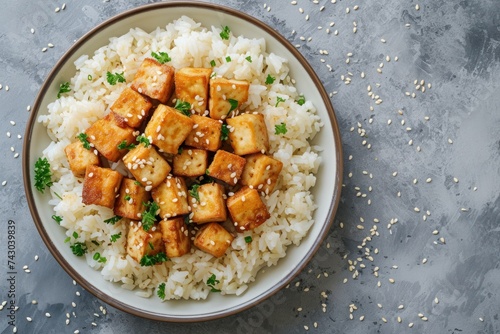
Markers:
{"x": 291, "y": 204}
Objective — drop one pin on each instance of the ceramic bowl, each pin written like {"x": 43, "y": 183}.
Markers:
{"x": 326, "y": 191}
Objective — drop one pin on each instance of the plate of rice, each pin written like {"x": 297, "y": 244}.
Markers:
{"x": 143, "y": 92}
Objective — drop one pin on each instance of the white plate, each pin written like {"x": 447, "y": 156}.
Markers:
{"x": 326, "y": 191}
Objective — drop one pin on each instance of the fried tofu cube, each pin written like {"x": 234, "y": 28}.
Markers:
{"x": 206, "y": 133}
{"x": 168, "y": 128}
{"x": 100, "y": 186}
{"x": 226, "y": 167}
{"x": 211, "y": 207}
{"x": 171, "y": 196}
{"x": 141, "y": 243}
{"x": 247, "y": 209}
{"x": 248, "y": 134}
{"x": 107, "y": 133}
{"x": 190, "y": 162}
{"x": 146, "y": 165}
{"x": 191, "y": 85}
{"x": 132, "y": 106}
{"x": 222, "y": 92}
{"x": 154, "y": 80}
{"x": 261, "y": 172}
{"x": 129, "y": 203}
{"x": 176, "y": 237}
{"x": 79, "y": 158}
{"x": 213, "y": 239}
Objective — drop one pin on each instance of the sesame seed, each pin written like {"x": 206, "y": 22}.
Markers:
{"x": 47, "y": 315}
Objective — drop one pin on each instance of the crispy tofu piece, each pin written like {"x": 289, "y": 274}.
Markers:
{"x": 247, "y": 209}
{"x": 129, "y": 203}
{"x": 146, "y": 165}
{"x": 213, "y": 239}
{"x": 100, "y": 186}
{"x": 226, "y": 167}
{"x": 190, "y": 162}
{"x": 79, "y": 158}
{"x": 205, "y": 134}
{"x": 248, "y": 134}
{"x": 176, "y": 237}
{"x": 168, "y": 128}
{"x": 191, "y": 85}
{"x": 211, "y": 207}
{"x": 171, "y": 196}
{"x": 107, "y": 133}
{"x": 221, "y": 91}
{"x": 154, "y": 80}
{"x": 132, "y": 106}
{"x": 141, "y": 243}
{"x": 261, "y": 172}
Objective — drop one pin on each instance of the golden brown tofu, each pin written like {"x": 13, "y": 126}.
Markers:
{"x": 222, "y": 91}
{"x": 141, "y": 243}
{"x": 205, "y": 134}
{"x": 171, "y": 196}
{"x": 261, "y": 172}
{"x": 211, "y": 207}
{"x": 132, "y": 106}
{"x": 226, "y": 167}
{"x": 146, "y": 165}
{"x": 213, "y": 239}
{"x": 168, "y": 128}
{"x": 190, "y": 162}
{"x": 175, "y": 235}
{"x": 154, "y": 80}
{"x": 79, "y": 158}
{"x": 248, "y": 134}
{"x": 129, "y": 203}
{"x": 107, "y": 133}
{"x": 247, "y": 209}
{"x": 191, "y": 85}
{"x": 100, "y": 186}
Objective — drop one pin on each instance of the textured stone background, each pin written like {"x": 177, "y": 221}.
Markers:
{"x": 454, "y": 45}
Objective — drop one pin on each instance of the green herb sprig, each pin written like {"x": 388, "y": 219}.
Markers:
{"x": 183, "y": 107}
{"x": 193, "y": 192}
{"x": 280, "y": 129}
{"x": 151, "y": 260}
{"x": 114, "y": 78}
{"x": 83, "y": 137}
{"x": 224, "y": 34}
{"x": 43, "y": 175}
{"x": 211, "y": 281}
{"x": 63, "y": 88}
{"x": 149, "y": 215}
{"x": 162, "y": 57}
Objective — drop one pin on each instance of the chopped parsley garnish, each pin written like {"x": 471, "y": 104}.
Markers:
{"x": 127, "y": 197}
{"x": 213, "y": 75}
{"x": 58, "y": 219}
{"x": 125, "y": 146}
{"x": 248, "y": 239}
{"x": 43, "y": 175}
{"x": 301, "y": 100}
{"x": 89, "y": 77}
{"x": 183, "y": 107}
{"x": 78, "y": 248}
{"x": 270, "y": 79}
{"x": 149, "y": 215}
{"x": 280, "y": 129}
{"x": 249, "y": 59}
{"x": 279, "y": 99}
{"x": 143, "y": 140}
{"x": 95, "y": 243}
{"x": 63, "y": 88}
{"x": 75, "y": 235}
{"x": 193, "y": 192}
{"x": 114, "y": 78}
{"x": 207, "y": 172}
{"x": 97, "y": 257}
{"x": 137, "y": 183}
{"x": 115, "y": 237}
{"x": 180, "y": 150}
{"x": 187, "y": 221}
{"x": 228, "y": 59}
{"x": 224, "y": 34}
{"x": 211, "y": 283}
{"x": 233, "y": 103}
{"x": 151, "y": 245}
{"x": 161, "y": 291}
{"x": 151, "y": 260}
{"x": 162, "y": 57}
{"x": 83, "y": 138}
{"x": 212, "y": 63}
{"x": 113, "y": 220}
{"x": 224, "y": 133}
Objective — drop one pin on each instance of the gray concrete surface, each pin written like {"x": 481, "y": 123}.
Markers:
{"x": 453, "y": 45}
